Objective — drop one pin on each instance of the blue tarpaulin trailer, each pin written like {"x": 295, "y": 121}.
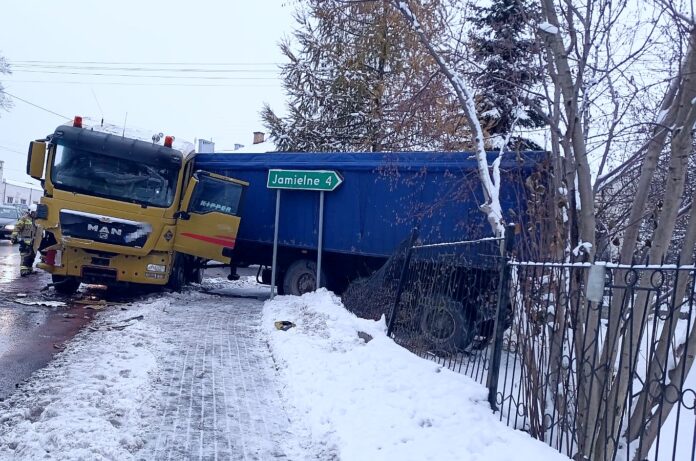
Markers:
{"x": 382, "y": 198}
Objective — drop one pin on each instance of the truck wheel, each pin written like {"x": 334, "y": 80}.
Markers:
{"x": 65, "y": 285}
{"x": 300, "y": 278}
{"x": 445, "y": 324}
{"x": 177, "y": 277}
{"x": 193, "y": 273}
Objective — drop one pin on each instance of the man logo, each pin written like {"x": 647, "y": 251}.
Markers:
{"x": 104, "y": 231}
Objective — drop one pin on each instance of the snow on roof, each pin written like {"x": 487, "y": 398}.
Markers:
{"x": 26, "y": 185}
{"x": 260, "y": 148}
{"x": 155, "y": 136}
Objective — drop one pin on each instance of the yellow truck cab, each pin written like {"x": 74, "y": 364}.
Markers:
{"x": 120, "y": 210}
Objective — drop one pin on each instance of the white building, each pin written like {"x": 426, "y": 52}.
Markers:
{"x": 16, "y": 192}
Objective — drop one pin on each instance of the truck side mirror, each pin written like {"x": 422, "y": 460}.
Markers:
{"x": 36, "y": 158}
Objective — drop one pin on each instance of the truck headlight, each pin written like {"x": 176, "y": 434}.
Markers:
{"x": 9, "y": 227}
{"x": 156, "y": 268}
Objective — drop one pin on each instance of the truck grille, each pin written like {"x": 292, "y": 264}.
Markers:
{"x": 98, "y": 275}
{"x": 105, "y": 229}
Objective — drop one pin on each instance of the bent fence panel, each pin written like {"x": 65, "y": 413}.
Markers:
{"x": 439, "y": 301}
{"x": 594, "y": 360}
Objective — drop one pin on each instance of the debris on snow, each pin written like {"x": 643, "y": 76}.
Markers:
{"x": 283, "y": 325}
{"x": 40, "y": 303}
{"x": 365, "y": 336}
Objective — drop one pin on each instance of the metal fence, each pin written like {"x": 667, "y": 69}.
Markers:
{"x": 591, "y": 359}
{"x": 596, "y": 360}
{"x": 440, "y": 301}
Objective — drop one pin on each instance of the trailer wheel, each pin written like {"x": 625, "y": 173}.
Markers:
{"x": 444, "y": 323}
{"x": 65, "y": 285}
{"x": 301, "y": 278}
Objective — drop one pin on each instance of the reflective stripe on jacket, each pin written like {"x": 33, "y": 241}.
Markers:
{"x": 24, "y": 228}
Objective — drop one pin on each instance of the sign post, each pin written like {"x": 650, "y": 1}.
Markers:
{"x": 321, "y": 237}
{"x": 311, "y": 180}
{"x": 275, "y": 244}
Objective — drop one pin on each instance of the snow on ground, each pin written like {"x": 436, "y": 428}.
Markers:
{"x": 376, "y": 400}
{"x": 85, "y": 404}
{"x": 182, "y": 376}
{"x": 192, "y": 378}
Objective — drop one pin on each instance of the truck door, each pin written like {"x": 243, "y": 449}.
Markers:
{"x": 209, "y": 217}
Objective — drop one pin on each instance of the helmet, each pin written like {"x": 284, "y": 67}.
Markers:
{"x": 32, "y": 208}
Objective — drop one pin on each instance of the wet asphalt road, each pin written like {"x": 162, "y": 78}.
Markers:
{"x": 30, "y": 334}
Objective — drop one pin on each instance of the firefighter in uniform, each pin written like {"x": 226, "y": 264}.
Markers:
{"x": 24, "y": 233}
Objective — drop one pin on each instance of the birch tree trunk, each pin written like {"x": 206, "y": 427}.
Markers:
{"x": 490, "y": 182}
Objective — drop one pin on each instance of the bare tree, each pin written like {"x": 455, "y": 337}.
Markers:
{"x": 5, "y": 101}
{"x": 489, "y": 175}
{"x": 602, "y": 392}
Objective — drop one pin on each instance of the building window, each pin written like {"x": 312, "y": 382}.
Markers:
{"x": 10, "y": 199}
{"x": 23, "y": 201}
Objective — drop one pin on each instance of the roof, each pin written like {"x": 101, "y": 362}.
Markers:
{"x": 260, "y": 148}
{"x": 183, "y": 146}
{"x": 114, "y": 145}
{"x": 26, "y": 185}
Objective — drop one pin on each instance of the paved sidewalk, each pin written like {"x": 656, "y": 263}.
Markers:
{"x": 218, "y": 396}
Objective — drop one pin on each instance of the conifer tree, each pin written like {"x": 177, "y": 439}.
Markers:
{"x": 356, "y": 82}
{"x": 504, "y": 46}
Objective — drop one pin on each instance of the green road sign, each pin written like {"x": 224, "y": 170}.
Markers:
{"x": 319, "y": 180}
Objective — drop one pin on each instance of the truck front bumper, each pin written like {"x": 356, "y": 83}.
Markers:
{"x": 108, "y": 268}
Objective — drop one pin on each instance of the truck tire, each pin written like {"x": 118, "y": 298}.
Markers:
{"x": 445, "y": 325}
{"x": 177, "y": 276}
{"x": 193, "y": 272}
{"x": 300, "y": 277}
{"x": 65, "y": 285}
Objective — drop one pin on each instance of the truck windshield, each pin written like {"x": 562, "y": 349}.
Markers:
{"x": 116, "y": 178}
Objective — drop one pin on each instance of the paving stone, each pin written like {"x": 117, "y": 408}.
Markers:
{"x": 218, "y": 395}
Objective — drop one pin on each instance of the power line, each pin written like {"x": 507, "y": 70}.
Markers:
{"x": 12, "y": 150}
{"x": 33, "y": 105}
{"x": 154, "y": 63}
{"x": 196, "y": 77}
{"x": 180, "y": 84}
{"x": 15, "y": 68}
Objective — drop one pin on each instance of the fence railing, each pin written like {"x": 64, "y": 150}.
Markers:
{"x": 596, "y": 360}
{"x": 440, "y": 301}
{"x": 592, "y": 359}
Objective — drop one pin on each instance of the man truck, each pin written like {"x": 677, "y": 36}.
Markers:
{"x": 119, "y": 210}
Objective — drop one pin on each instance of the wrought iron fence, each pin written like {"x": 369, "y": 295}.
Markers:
{"x": 596, "y": 360}
{"x": 592, "y": 359}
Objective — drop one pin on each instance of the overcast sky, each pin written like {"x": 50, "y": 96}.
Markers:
{"x": 57, "y": 46}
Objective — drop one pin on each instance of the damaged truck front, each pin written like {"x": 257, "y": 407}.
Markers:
{"x": 118, "y": 210}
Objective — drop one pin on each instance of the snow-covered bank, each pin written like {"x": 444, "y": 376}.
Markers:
{"x": 85, "y": 404}
{"x": 378, "y": 401}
